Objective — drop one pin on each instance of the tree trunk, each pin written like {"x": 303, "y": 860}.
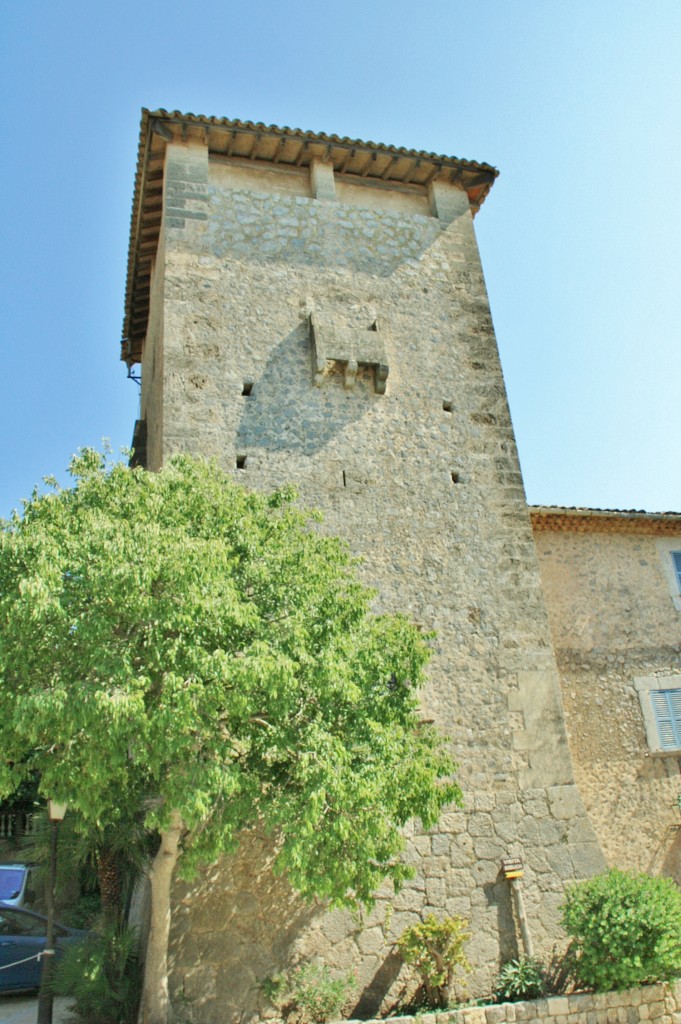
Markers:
{"x": 155, "y": 1005}
{"x": 110, "y": 877}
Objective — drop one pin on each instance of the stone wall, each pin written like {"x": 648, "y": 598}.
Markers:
{"x": 612, "y": 604}
{"x": 336, "y": 334}
{"x": 152, "y": 365}
{"x": 652, "y": 1003}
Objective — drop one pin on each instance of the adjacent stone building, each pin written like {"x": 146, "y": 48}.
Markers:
{"x": 312, "y": 310}
{"x": 612, "y": 584}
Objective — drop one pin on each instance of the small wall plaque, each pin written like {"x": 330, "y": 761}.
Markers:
{"x": 512, "y": 867}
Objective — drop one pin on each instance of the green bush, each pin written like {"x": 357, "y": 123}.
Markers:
{"x": 520, "y": 979}
{"x": 317, "y": 994}
{"x": 103, "y": 975}
{"x": 435, "y": 949}
{"x": 626, "y": 930}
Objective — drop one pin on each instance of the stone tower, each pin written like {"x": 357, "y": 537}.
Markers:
{"x": 311, "y": 309}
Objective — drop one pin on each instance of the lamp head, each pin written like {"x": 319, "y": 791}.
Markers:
{"x": 56, "y": 810}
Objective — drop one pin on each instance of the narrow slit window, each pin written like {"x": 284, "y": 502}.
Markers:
{"x": 676, "y": 559}
{"x": 241, "y": 462}
{"x": 455, "y": 476}
{"x": 247, "y": 389}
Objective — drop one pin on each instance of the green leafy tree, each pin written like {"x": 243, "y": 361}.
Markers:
{"x": 174, "y": 643}
{"x": 435, "y": 949}
{"x": 626, "y": 930}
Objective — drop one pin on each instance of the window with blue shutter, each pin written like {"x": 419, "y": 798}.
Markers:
{"x": 667, "y": 709}
{"x": 676, "y": 558}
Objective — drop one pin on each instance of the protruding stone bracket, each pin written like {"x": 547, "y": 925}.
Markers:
{"x": 447, "y": 202}
{"x": 351, "y": 349}
{"x": 322, "y": 180}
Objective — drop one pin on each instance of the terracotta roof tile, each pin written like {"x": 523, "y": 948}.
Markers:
{"x": 561, "y": 519}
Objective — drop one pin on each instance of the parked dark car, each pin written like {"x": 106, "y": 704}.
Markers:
{"x": 22, "y": 937}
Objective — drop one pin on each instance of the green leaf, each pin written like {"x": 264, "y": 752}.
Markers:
{"x": 175, "y": 642}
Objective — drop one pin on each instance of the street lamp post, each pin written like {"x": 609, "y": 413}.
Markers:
{"x": 56, "y": 812}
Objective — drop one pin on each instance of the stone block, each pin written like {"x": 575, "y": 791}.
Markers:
{"x": 481, "y": 825}
{"x": 322, "y": 180}
{"x": 587, "y": 859}
{"x": 565, "y": 802}
{"x": 440, "y": 844}
{"x": 475, "y": 1015}
{"x": 371, "y": 941}
{"x": 448, "y": 202}
{"x": 495, "y": 1014}
{"x": 410, "y": 898}
{"x": 491, "y": 849}
{"x": 436, "y": 891}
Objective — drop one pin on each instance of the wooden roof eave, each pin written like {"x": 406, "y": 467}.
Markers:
{"x": 282, "y": 146}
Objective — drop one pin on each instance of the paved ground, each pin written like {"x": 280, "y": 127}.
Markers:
{"x": 24, "y": 1010}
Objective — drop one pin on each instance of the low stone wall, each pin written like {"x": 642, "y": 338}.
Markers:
{"x": 652, "y": 1003}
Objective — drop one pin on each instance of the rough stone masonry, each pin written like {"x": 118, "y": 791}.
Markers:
{"x": 312, "y": 310}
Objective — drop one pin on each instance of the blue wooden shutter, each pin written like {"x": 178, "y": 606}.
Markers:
{"x": 667, "y": 708}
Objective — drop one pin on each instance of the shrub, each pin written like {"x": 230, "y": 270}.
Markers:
{"x": 520, "y": 979}
{"x": 103, "y": 975}
{"x": 435, "y": 949}
{"x": 316, "y": 993}
{"x": 626, "y": 930}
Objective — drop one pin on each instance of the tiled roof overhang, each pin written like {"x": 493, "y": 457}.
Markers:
{"x": 263, "y": 144}
{"x": 595, "y": 520}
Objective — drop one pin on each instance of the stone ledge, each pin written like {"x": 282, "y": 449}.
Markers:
{"x": 661, "y": 1002}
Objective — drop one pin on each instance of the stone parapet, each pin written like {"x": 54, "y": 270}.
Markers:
{"x": 660, "y": 1002}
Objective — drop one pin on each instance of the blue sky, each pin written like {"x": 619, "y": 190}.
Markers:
{"x": 578, "y": 104}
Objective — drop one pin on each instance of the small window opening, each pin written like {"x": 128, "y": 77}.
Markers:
{"x": 455, "y": 476}
{"x": 447, "y": 406}
{"x": 247, "y": 389}
{"x": 345, "y": 483}
{"x": 241, "y": 462}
